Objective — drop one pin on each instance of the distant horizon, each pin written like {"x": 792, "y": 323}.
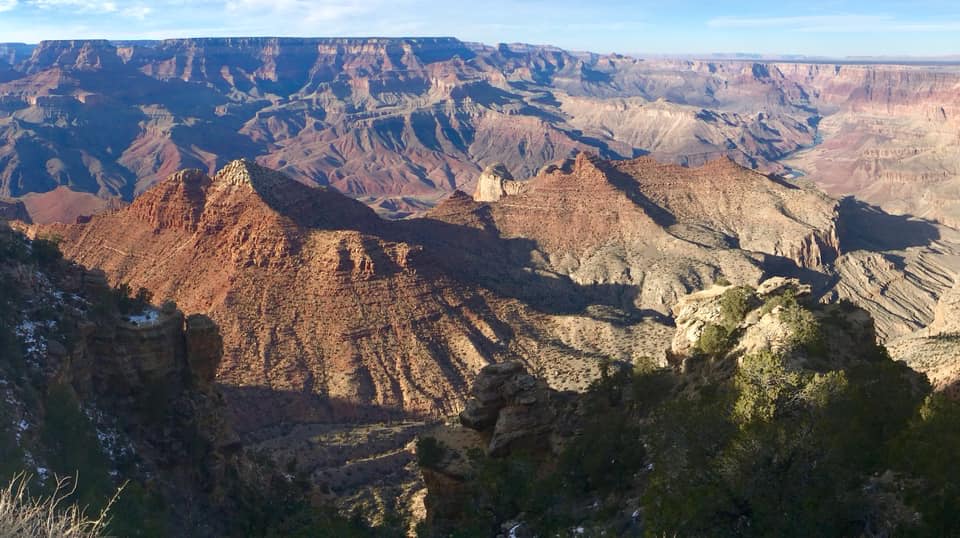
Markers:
{"x": 945, "y": 59}
{"x": 812, "y": 28}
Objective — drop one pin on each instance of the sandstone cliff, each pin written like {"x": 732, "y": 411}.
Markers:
{"x": 659, "y": 229}
{"x": 331, "y": 315}
{"x": 111, "y": 398}
{"x": 320, "y": 317}
{"x": 401, "y": 122}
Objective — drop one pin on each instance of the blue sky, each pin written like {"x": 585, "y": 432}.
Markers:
{"x": 812, "y": 27}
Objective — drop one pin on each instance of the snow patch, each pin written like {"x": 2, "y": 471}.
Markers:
{"x": 34, "y": 342}
{"x": 22, "y": 426}
{"x": 114, "y": 444}
{"x": 146, "y": 318}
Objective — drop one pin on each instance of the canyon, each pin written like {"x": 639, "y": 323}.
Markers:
{"x": 352, "y": 230}
{"x": 401, "y": 123}
{"x": 338, "y": 324}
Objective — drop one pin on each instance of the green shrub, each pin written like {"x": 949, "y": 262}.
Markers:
{"x": 734, "y": 305}
{"x": 929, "y": 448}
{"x": 801, "y": 322}
{"x": 123, "y": 300}
{"x": 13, "y": 246}
{"x": 787, "y": 300}
{"x": 805, "y": 329}
{"x": 46, "y": 250}
{"x": 430, "y": 452}
{"x": 714, "y": 341}
{"x": 130, "y": 303}
{"x": 73, "y": 449}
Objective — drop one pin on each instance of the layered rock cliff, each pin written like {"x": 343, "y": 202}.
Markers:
{"x": 14, "y": 210}
{"x": 416, "y": 118}
{"x": 336, "y": 313}
{"x": 320, "y": 316}
{"x": 331, "y": 315}
{"x": 662, "y": 229}
{"x": 110, "y": 397}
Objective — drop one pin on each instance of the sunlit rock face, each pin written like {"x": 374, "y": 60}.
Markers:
{"x": 402, "y": 122}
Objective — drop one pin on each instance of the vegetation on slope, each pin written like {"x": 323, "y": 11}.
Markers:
{"x": 820, "y": 447}
{"x": 49, "y": 430}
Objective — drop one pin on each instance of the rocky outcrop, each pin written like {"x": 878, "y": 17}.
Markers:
{"x": 496, "y": 182}
{"x": 643, "y": 233}
{"x": 726, "y": 323}
{"x": 792, "y": 382}
{"x": 512, "y": 407}
{"x": 83, "y": 55}
{"x": 14, "y": 210}
{"x": 204, "y": 349}
{"x": 311, "y": 300}
{"x": 329, "y": 314}
{"x": 509, "y": 411}
{"x": 136, "y": 388}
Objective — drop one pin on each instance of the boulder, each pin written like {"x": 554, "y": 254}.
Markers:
{"x": 779, "y": 285}
{"x": 511, "y": 406}
{"x": 496, "y": 182}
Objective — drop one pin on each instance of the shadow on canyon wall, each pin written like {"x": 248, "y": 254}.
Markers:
{"x": 867, "y": 227}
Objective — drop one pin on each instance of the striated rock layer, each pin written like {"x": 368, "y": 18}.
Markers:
{"x": 311, "y": 305}
{"x": 122, "y": 401}
{"x": 329, "y": 313}
{"x": 401, "y": 122}
{"x": 644, "y": 233}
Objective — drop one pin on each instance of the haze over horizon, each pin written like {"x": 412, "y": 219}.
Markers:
{"x": 926, "y": 28}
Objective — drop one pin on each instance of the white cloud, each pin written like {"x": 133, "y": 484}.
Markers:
{"x": 847, "y": 23}
{"x": 7, "y": 5}
{"x": 797, "y": 22}
{"x": 322, "y": 10}
{"x": 77, "y": 5}
{"x": 137, "y": 12}
{"x": 86, "y": 7}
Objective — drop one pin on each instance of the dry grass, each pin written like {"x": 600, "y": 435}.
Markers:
{"x": 23, "y": 516}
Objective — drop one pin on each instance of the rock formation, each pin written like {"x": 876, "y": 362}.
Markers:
{"x": 14, "y": 210}
{"x": 660, "y": 229}
{"x": 635, "y": 437}
{"x": 592, "y": 253}
{"x": 336, "y": 112}
{"x": 321, "y": 318}
{"x": 137, "y": 391}
{"x": 769, "y": 318}
{"x": 511, "y": 406}
{"x": 330, "y": 314}
{"x": 496, "y": 182}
